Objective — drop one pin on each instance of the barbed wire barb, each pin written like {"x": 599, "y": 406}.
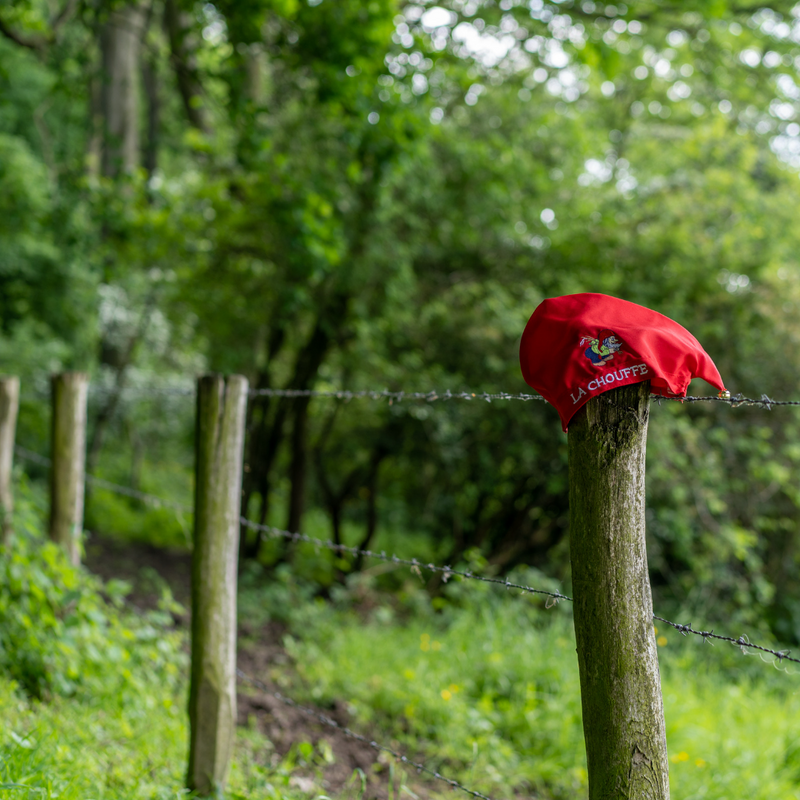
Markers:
{"x": 332, "y": 723}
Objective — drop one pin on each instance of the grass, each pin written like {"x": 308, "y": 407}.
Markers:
{"x": 480, "y": 683}
{"x": 489, "y": 692}
{"x": 88, "y": 748}
{"x": 486, "y": 690}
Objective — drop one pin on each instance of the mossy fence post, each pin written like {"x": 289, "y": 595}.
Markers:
{"x": 68, "y": 471}
{"x": 623, "y": 714}
{"x": 9, "y": 406}
{"x": 219, "y": 445}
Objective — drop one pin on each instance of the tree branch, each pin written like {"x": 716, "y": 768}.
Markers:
{"x": 62, "y": 16}
{"x": 39, "y": 43}
{"x": 36, "y": 44}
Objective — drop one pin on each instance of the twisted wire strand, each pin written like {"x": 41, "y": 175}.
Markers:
{"x": 332, "y": 723}
{"x": 150, "y": 499}
{"x": 117, "y": 488}
{"x": 734, "y": 401}
{"x": 393, "y": 397}
{"x": 743, "y": 641}
{"x": 415, "y": 564}
{"x": 34, "y": 458}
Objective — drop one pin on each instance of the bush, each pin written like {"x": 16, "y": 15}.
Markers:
{"x": 62, "y": 630}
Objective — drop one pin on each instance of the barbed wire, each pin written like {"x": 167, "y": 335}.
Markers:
{"x": 332, "y": 723}
{"x": 734, "y": 401}
{"x": 161, "y": 391}
{"x": 34, "y": 458}
{"x": 415, "y": 564}
{"x": 742, "y": 642}
{"x": 117, "y": 488}
{"x": 432, "y": 396}
{"x": 446, "y": 571}
{"x": 393, "y": 397}
{"x": 150, "y": 499}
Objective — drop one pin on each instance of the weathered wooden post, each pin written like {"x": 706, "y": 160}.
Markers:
{"x": 623, "y": 715}
{"x": 9, "y": 406}
{"x": 219, "y": 447}
{"x": 67, "y": 474}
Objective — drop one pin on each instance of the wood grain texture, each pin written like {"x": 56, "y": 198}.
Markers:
{"x": 9, "y": 407}
{"x": 219, "y": 446}
{"x": 67, "y": 474}
{"x": 623, "y": 716}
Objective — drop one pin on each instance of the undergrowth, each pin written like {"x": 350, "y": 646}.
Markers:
{"x": 487, "y": 690}
{"x": 478, "y": 682}
{"x": 93, "y": 696}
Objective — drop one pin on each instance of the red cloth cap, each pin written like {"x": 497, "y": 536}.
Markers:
{"x": 581, "y": 345}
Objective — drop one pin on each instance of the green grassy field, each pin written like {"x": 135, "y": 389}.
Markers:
{"x": 479, "y": 683}
{"x": 489, "y": 691}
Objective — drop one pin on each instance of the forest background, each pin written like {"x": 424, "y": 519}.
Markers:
{"x": 366, "y": 194}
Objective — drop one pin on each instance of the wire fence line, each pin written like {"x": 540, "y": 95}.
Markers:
{"x": 416, "y": 565}
{"x": 764, "y": 402}
{"x": 117, "y": 488}
{"x": 735, "y": 401}
{"x": 743, "y": 642}
{"x": 332, "y": 723}
{"x": 393, "y": 397}
{"x": 34, "y": 458}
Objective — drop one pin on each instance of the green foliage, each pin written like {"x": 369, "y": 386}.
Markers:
{"x": 93, "y": 696}
{"x": 62, "y": 632}
{"x": 379, "y": 196}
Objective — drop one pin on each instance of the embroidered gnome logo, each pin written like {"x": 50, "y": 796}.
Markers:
{"x": 601, "y": 349}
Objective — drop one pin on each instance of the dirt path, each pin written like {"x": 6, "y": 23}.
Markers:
{"x": 261, "y": 655}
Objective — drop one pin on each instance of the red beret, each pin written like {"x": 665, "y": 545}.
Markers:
{"x": 578, "y": 346}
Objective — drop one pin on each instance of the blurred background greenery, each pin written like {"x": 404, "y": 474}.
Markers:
{"x": 374, "y": 195}
{"x": 369, "y": 194}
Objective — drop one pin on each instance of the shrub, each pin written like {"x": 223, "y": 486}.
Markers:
{"x": 62, "y": 630}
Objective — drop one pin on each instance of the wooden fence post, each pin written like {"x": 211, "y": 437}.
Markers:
{"x": 9, "y": 406}
{"x": 67, "y": 474}
{"x": 623, "y": 714}
{"x": 219, "y": 446}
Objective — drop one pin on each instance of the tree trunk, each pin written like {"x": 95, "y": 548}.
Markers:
{"x": 623, "y": 716}
{"x": 297, "y": 470}
{"x": 106, "y": 413}
{"x": 120, "y": 42}
{"x": 151, "y": 90}
{"x": 372, "y": 513}
{"x": 254, "y": 74}
{"x": 307, "y": 364}
{"x": 178, "y": 25}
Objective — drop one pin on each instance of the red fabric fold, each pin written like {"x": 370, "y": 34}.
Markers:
{"x": 581, "y": 345}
